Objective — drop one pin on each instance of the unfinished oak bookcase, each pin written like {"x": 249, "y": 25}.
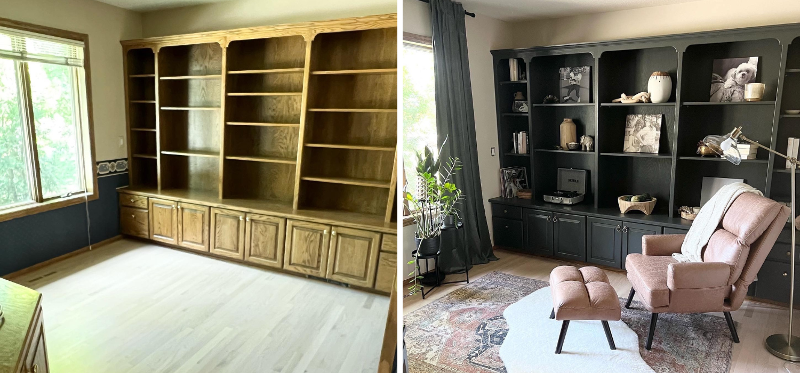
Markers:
{"x": 293, "y": 122}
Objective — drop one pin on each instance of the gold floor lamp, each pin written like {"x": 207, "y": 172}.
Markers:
{"x": 784, "y": 346}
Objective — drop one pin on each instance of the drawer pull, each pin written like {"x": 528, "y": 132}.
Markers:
{"x": 785, "y": 274}
{"x": 505, "y": 211}
{"x": 618, "y": 228}
{"x": 133, "y": 216}
{"x": 555, "y": 219}
{"x": 506, "y": 227}
{"x": 788, "y": 253}
{"x": 333, "y": 232}
{"x": 325, "y": 232}
{"x": 241, "y": 218}
{"x": 248, "y": 219}
{"x": 625, "y": 230}
{"x": 131, "y": 199}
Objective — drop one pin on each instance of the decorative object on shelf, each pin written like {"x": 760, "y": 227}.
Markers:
{"x": 587, "y": 143}
{"x": 792, "y": 112}
{"x": 747, "y": 151}
{"x": 754, "y": 91}
{"x": 689, "y": 213}
{"x": 571, "y": 187}
{"x": 515, "y": 73}
{"x": 785, "y": 346}
{"x": 703, "y": 150}
{"x": 520, "y": 142}
{"x": 573, "y": 146}
{"x": 659, "y": 87}
{"x": 524, "y": 194}
{"x": 729, "y": 76}
{"x": 639, "y": 97}
{"x": 550, "y": 99}
{"x": 711, "y": 185}
{"x": 512, "y": 180}
{"x": 568, "y": 132}
{"x": 575, "y": 84}
{"x": 642, "y": 202}
{"x": 520, "y": 105}
{"x": 642, "y": 133}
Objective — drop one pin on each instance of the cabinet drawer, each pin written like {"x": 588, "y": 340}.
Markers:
{"x": 132, "y": 201}
{"x": 781, "y": 252}
{"x": 389, "y": 243}
{"x": 669, "y": 230}
{"x": 507, "y": 233}
{"x": 773, "y": 282}
{"x": 134, "y": 222}
{"x": 505, "y": 211}
{"x": 387, "y": 270}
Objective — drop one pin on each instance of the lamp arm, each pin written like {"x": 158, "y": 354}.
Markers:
{"x": 790, "y": 159}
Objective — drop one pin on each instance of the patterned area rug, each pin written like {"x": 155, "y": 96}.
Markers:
{"x": 463, "y": 331}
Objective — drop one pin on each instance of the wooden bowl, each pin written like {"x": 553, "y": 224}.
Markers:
{"x": 688, "y": 215}
{"x": 524, "y": 194}
{"x": 645, "y": 207}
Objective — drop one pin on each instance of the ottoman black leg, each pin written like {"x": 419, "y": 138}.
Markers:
{"x": 630, "y": 298}
{"x": 653, "y": 321}
{"x": 732, "y": 327}
{"x": 553, "y": 313}
{"x": 609, "y": 337}
{"x": 561, "y": 336}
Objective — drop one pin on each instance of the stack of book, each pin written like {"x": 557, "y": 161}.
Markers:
{"x": 520, "y": 142}
{"x": 513, "y": 69}
{"x": 791, "y": 150}
{"x": 747, "y": 150}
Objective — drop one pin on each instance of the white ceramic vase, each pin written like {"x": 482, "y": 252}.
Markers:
{"x": 660, "y": 87}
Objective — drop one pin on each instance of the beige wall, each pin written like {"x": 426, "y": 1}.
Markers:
{"x": 660, "y": 20}
{"x": 483, "y": 35}
{"x": 106, "y": 26}
{"x": 248, "y": 13}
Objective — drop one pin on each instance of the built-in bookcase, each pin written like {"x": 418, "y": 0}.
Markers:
{"x": 302, "y": 120}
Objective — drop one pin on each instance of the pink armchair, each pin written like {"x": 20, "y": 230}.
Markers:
{"x": 731, "y": 260}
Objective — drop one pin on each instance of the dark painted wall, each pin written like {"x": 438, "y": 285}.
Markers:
{"x": 33, "y": 239}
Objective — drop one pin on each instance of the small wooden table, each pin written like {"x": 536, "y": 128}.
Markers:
{"x": 22, "y": 345}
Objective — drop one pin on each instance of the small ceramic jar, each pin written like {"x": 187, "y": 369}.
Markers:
{"x": 660, "y": 87}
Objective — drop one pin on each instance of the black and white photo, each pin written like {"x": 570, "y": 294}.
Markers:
{"x": 729, "y": 76}
{"x": 512, "y": 179}
{"x": 575, "y": 84}
{"x": 642, "y": 133}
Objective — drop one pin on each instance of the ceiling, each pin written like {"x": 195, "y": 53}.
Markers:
{"x": 148, "y": 5}
{"x": 517, "y": 10}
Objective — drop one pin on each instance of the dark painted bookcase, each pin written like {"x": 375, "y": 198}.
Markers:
{"x": 674, "y": 175}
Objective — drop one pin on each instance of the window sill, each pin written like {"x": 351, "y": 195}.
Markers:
{"x": 53, "y": 204}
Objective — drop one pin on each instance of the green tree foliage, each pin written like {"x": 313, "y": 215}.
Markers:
{"x": 13, "y": 175}
{"x": 419, "y": 107}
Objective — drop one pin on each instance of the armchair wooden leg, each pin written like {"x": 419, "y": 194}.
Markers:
{"x": 553, "y": 313}
{"x": 731, "y": 326}
{"x": 609, "y": 337}
{"x": 653, "y": 321}
{"x": 564, "y": 326}
{"x": 630, "y": 298}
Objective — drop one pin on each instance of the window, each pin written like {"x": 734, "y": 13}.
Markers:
{"x": 45, "y": 147}
{"x": 419, "y": 105}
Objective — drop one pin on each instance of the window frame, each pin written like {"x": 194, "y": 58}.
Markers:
{"x": 85, "y": 132}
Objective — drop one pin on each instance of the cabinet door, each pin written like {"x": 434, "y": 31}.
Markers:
{"x": 193, "y": 226}
{"x": 163, "y": 221}
{"x": 307, "y": 246}
{"x": 569, "y": 236}
{"x": 507, "y": 233}
{"x": 604, "y": 242}
{"x": 387, "y": 271}
{"x": 227, "y": 233}
{"x": 353, "y": 257}
{"x": 134, "y": 222}
{"x": 538, "y": 232}
{"x": 632, "y": 237}
{"x": 264, "y": 240}
{"x": 773, "y": 282}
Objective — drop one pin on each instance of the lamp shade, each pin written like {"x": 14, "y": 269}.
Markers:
{"x": 725, "y": 147}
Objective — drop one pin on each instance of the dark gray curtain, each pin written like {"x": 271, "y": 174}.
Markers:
{"x": 455, "y": 120}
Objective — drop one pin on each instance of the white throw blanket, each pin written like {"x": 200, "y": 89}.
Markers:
{"x": 708, "y": 219}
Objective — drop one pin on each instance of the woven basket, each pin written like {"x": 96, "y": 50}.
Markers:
{"x": 645, "y": 207}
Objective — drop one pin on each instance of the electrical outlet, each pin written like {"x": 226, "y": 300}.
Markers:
{"x": 121, "y": 141}
{"x": 493, "y": 151}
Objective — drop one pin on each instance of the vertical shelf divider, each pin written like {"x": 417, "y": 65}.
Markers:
{"x": 309, "y": 38}
{"x": 222, "y": 114}
{"x": 157, "y": 84}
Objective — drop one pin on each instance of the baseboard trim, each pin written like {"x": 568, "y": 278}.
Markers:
{"x": 57, "y": 259}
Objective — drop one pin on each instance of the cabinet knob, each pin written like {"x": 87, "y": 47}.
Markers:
{"x": 618, "y": 228}
{"x": 325, "y": 232}
{"x": 248, "y": 219}
{"x": 131, "y": 199}
{"x": 506, "y": 227}
{"x": 504, "y": 211}
{"x": 179, "y": 207}
{"x": 241, "y": 217}
{"x": 555, "y": 219}
{"x": 133, "y": 216}
{"x": 788, "y": 253}
{"x": 333, "y": 232}
{"x": 785, "y": 274}
{"x": 624, "y": 229}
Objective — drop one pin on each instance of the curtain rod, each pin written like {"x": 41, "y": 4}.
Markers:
{"x": 465, "y": 12}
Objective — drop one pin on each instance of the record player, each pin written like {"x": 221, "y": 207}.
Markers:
{"x": 571, "y": 187}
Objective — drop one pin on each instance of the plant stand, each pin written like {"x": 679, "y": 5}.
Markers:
{"x": 435, "y": 258}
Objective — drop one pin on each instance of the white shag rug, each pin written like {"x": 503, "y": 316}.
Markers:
{"x": 530, "y": 344}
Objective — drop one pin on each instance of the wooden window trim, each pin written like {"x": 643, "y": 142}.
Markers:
{"x": 89, "y": 163}
{"x": 426, "y": 41}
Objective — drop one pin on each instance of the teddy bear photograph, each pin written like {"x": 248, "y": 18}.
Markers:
{"x": 728, "y": 77}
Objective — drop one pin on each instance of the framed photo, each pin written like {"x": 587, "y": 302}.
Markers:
{"x": 728, "y": 77}
{"x": 642, "y": 133}
{"x": 512, "y": 179}
{"x": 575, "y": 84}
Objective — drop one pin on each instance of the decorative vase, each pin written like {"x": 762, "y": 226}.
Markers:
{"x": 568, "y": 133}
{"x": 660, "y": 87}
{"x": 520, "y": 105}
{"x": 428, "y": 246}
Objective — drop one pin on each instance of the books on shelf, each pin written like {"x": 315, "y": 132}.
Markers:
{"x": 513, "y": 69}
{"x": 520, "y": 145}
{"x": 791, "y": 150}
{"x": 747, "y": 150}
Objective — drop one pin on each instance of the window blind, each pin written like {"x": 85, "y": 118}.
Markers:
{"x": 28, "y": 46}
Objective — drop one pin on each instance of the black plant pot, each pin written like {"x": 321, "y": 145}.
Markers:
{"x": 428, "y": 246}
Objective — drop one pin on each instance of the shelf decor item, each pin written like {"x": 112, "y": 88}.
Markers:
{"x": 632, "y": 203}
{"x": 524, "y": 194}
{"x": 568, "y": 133}
{"x": 550, "y": 99}
{"x": 573, "y": 146}
{"x": 520, "y": 104}
{"x": 587, "y": 143}
{"x": 785, "y": 346}
{"x": 642, "y": 133}
{"x": 792, "y": 112}
{"x": 575, "y": 84}
{"x": 512, "y": 180}
{"x": 729, "y": 77}
{"x": 754, "y": 91}
{"x": 703, "y": 150}
{"x": 689, "y": 213}
{"x": 643, "y": 97}
{"x": 513, "y": 69}
{"x": 659, "y": 86}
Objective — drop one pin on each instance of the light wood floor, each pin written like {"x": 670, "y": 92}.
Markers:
{"x": 755, "y": 320}
{"x": 138, "y": 307}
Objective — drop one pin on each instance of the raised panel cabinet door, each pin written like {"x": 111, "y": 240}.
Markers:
{"x": 227, "y": 233}
{"x": 134, "y": 222}
{"x": 264, "y": 240}
{"x": 632, "y": 234}
{"x": 387, "y": 271}
{"x": 163, "y": 221}
{"x": 569, "y": 236}
{"x": 353, "y": 258}
{"x": 538, "y": 232}
{"x": 507, "y": 233}
{"x": 193, "y": 226}
{"x": 307, "y": 246}
{"x": 604, "y": 242}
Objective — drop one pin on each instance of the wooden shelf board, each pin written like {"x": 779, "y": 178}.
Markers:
{"x": 191, "y": 153}
{"x": 348, "y": 181}
{"x": 783, "y": 170}
{"x": 637, "y": 104}
{"x": 186, "y": 77}
{"x": 564, "y": 104}
{"x": 262, "y": 159}
{"x": 265, "y": 94}
{"x": 515, "y": 114}
{"x": 789, "y": 71}
{"x": 514, "y": 82}
{"x": 142, "y": 76}
{"x": 268, "y": 71}
{"x": 354, "y": 110}
{"x": 143, "y": 129}
{"x": 518, "y": 155}
{"x": 563, "y": 151}
{"x": 351, "y": 72}
{"x": 353, "y": 147}
{"x": 263, "y": 124}
{"x": 149, "y": 156}
{"x": 702, "y": 103}
{"x": 142, "y": 101}
{"x": 718, "y": 159}
{"x": 637, "y": 155}
{"x": 190, "y": 108}
{"x": 790, "y": 116}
